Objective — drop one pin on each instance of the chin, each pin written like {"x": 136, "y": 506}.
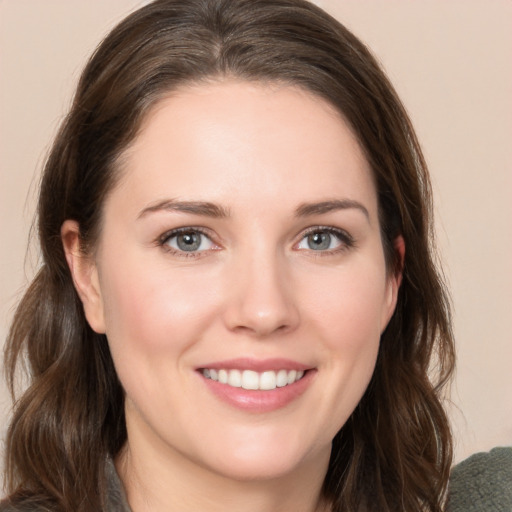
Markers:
{"x": 271, "y": 461}
{"x": 256, "y": 470}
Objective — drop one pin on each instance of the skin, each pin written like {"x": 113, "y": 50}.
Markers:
{"x": 257, "y": 288}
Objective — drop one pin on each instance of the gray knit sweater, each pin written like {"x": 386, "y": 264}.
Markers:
{"x": 483, "y": 483}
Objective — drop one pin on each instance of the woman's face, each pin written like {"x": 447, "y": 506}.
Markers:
{"x": 241, "y": 280}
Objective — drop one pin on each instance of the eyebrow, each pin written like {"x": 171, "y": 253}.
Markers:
{"x": 208, "y": 209}
{"x": 308, "y": 209}
{"x": 203, "y": 208}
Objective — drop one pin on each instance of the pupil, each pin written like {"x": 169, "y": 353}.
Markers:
{"x": 318, "y": 241}
{"x": 189, "y": 241}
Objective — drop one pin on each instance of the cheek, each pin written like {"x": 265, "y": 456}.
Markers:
{"x": 344, "y": 317}
{"x": 350, "y": 309}
{"x": 151, "y": 310}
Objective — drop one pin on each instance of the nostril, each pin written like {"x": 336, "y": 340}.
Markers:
{"x": 262, "y": 329}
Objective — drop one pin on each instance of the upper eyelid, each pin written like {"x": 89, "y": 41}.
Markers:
{"x": 329, "y": 229}
{"x": 177, "y": 231}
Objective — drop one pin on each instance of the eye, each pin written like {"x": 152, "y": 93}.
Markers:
{"x": 325, "y": 239}
{"x": 187, "y": 240}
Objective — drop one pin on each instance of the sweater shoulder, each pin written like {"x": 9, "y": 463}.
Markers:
{"x": 483, "y": 482}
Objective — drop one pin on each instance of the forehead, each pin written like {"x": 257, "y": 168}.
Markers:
{"x": 226, "y": 138}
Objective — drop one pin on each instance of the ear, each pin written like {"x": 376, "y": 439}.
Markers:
{"x": 85, "y": 275}
{"x": 394, "y": 280}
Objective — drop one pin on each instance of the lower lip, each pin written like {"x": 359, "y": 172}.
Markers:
{"x": 259, "y": 401}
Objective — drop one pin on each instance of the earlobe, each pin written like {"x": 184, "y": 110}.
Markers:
{"x": 85, "y": 275}
{"x": 399, "y": 247}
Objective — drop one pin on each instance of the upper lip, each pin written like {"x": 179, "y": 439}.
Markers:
{"x": 257, "y": 365}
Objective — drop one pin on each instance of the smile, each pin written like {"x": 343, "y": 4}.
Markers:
{"x": 252, "y": 380}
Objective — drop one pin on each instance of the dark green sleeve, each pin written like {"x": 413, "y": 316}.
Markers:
{"x": 482, "y": 483}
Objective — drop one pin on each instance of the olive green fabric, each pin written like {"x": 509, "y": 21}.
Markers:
{"x": 482, "y": 483}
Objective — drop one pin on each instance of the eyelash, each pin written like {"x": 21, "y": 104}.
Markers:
{"x": 346, "y": 240}
{"x": 164, "y": 239}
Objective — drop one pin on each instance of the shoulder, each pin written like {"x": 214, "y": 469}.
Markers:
{"x": 483, "y": 482}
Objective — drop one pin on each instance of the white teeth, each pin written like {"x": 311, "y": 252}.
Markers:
{"x": 291, "y": 376}
{"x": 235, "y": 378}
{"x": 268, "y": 380}
{"x": 249, "y": 379}
{"x": 223, "y": 376}
{"x": 282, "y": 378}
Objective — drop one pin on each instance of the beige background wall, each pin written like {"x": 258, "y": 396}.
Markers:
{"x": 451, "y": 63}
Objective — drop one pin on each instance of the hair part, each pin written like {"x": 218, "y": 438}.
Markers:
{"x": 394, "y": 453}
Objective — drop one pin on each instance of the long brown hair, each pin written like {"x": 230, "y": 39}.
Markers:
{"x": 394, "y": 453}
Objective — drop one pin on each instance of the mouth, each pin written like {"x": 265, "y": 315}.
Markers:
{"x": 257, "y": 385}
{"x": 253, "y": 380}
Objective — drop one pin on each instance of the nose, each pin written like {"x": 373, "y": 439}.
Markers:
{"x": 262, "y": 302}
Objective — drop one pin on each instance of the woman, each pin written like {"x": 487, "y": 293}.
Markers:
{"x": 238, "y": 307}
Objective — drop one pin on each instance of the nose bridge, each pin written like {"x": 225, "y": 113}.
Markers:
{"x": 262, "y": 300}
